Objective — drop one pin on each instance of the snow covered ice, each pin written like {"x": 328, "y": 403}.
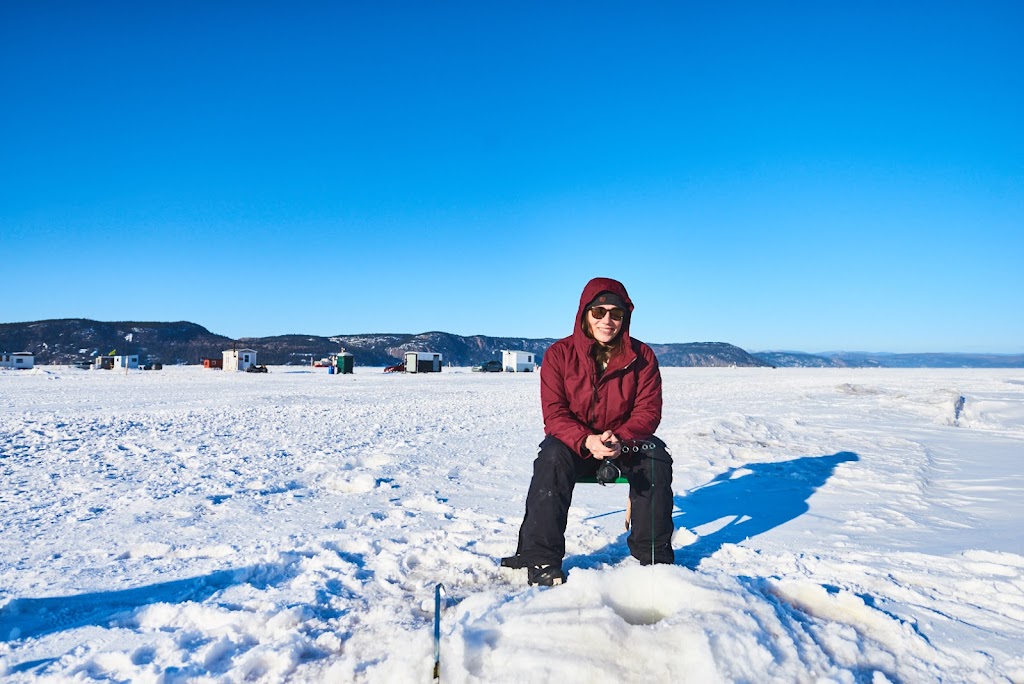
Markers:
{"x": 833, "y": 525}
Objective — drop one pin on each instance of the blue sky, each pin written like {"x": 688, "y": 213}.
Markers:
{"x": 813, "y": 176}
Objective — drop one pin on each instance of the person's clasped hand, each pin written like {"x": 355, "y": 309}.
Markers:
{"x": 604, "y": 445}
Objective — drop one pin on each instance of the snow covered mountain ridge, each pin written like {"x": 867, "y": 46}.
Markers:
{"x": 72, "y": 340}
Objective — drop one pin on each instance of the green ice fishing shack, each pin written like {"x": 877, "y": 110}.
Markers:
{"x": 343, "y": 363}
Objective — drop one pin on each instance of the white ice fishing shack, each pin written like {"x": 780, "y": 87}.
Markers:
{"x": 126, "y": 361}
{"x": 422, "y": 362}
{"x": 17, "y": 360}
{"x": 518, "y": 361}
{"x": 239, "y": 359}
{"x": 112, "y": 361}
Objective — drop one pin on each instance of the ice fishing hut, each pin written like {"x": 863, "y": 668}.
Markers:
{"x": 518, "y": 361}
{"x": 239, "y": 359}
{"x": 422, "y": 362}
{"x": 213, "y": 363}
{"x": 17, "y": 360}
{"x": 342, "y": 363}
{"x": 126, "y": 361}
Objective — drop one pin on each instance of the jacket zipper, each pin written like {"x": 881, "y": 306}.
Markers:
{"x": 593, "y": 403}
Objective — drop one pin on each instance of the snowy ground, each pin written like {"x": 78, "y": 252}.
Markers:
{"x": 195, "y": 525}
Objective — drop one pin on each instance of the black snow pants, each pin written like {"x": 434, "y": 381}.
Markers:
{"x": 542, "y": 534}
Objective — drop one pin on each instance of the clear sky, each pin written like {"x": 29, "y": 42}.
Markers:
{"x": 813, "y": 176}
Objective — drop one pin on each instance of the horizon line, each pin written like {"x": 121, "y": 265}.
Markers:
{"x": 426, "y": 332}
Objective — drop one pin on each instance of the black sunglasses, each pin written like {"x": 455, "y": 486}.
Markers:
{"x": 598, "y": 313}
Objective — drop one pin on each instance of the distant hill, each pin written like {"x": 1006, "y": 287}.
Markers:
{"x": 933, "y": 360}
{"x": 885, "y": 360}
{"x": 704, "y": 354}
{"x": 72, "y": 340}
{"x": 787, "y": 359}
{"x": 384, "y": 349}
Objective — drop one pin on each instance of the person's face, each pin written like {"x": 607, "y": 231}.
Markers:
{"x": 606, "y": 328}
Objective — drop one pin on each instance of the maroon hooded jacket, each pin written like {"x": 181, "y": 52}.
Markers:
{"x": 626, "y": 399}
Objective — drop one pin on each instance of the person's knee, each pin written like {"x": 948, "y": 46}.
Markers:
{"x": 553, "y": 454}
{"x": 661, "y": 460}
{"x": 661, "y": 449}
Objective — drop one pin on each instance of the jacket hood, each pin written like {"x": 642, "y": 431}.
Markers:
{"x": 595, "y": 287}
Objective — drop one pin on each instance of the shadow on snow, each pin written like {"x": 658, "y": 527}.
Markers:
{"x": 745, "y": 501}
{"x": 751, "y": 500}
{"x": 25, "y": 618}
